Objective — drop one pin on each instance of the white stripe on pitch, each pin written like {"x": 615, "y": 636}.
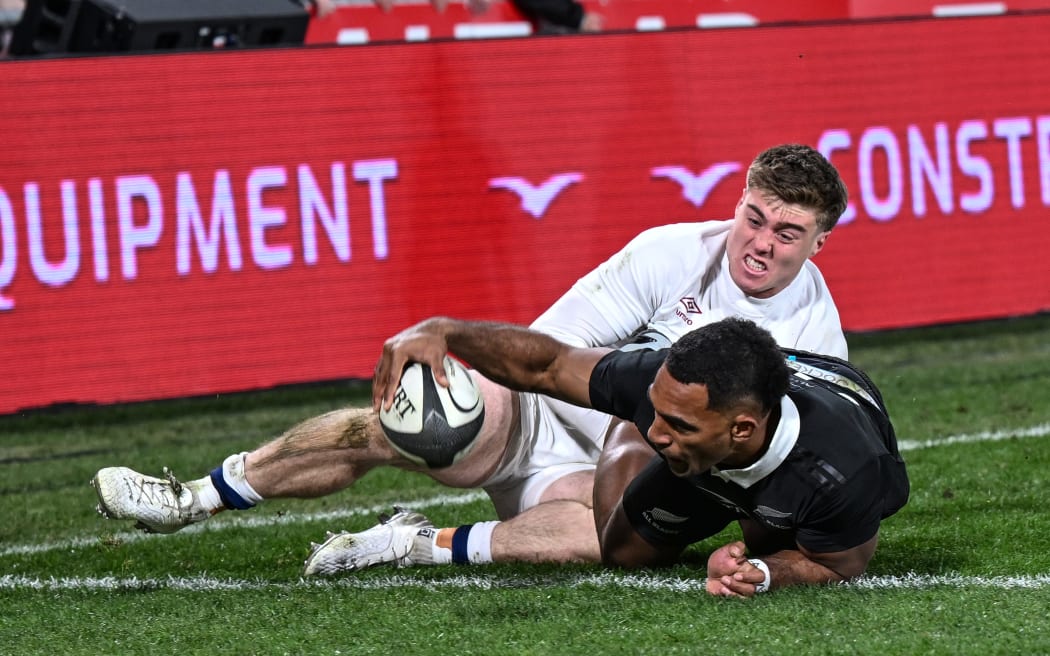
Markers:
{"x": 910, "y": 581}
{"x": 1040, "y": 430}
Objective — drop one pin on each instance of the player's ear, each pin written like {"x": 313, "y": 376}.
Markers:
{"x": 818, "y": 244}
{"x": 743, "y": 427}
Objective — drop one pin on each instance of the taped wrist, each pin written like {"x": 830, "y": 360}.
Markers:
{"x": 764, "y": 585}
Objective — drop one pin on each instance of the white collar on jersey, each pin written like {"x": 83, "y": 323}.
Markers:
{"x": 780, "y": 446}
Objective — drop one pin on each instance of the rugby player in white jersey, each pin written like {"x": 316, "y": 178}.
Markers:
{"x": 536, "y": 457}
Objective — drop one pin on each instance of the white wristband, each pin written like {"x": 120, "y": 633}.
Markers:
{"x": 761, "y": 564}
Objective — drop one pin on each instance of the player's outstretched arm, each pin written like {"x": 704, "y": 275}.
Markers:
{"x": 510, "y": 355}
{"x": 732, "y": 574}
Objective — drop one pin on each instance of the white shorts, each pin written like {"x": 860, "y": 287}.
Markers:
{"x": 554, "y": 439}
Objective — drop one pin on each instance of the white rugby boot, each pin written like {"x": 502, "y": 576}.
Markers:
{"x": 158, "y": 505}
{"x": 403, "y": 539}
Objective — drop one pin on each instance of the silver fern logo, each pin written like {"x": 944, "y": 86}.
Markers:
{"x": 773, "y": 517}
{"x": 661, "y": 515}
{"x": 660, "y": 520}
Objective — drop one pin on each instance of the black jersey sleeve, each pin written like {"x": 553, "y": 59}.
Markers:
{"x": 620, "y": 382}
{"x": 850, "y": 515}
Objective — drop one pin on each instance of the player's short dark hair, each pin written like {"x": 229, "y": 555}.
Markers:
{"x": 798, "y": 174}
{"x": 735, "y": 359}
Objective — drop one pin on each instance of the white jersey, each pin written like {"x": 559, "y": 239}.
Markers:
{"x": 670, "y": 280}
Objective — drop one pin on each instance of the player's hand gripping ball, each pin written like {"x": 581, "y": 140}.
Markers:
{"x": 432, "y": 425}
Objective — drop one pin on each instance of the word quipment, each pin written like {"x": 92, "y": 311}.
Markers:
{"x": 140, "y": 222}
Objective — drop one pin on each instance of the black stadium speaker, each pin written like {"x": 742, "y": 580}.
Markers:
{"x": 99, "y": 26}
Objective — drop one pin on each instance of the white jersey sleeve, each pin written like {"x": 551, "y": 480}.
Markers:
{"x": 621, "y": 295}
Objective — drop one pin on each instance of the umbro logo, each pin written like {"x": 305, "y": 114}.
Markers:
{"x": 690, "y": 305}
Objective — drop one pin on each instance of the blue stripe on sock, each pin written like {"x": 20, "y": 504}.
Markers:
{"x": 229, "y": 496}
{"x": 459, "y": 545}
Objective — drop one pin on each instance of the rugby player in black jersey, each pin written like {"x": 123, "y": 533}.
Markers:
{"x": 797, "y": 448}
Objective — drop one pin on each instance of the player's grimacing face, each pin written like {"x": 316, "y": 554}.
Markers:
{"x": 769, "y": 242}
{"x": 690, "y": 437}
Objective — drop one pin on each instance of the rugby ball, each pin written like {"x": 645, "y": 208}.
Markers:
{"x": 432, "y": 425}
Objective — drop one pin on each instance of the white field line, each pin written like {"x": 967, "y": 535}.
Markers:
{"x": 1040, "y": 430}
{"x": 231, "y": 520}
{"x": 648, "y": 582}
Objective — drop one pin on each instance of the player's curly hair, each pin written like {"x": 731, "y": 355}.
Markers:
{"x": 738, "y": 361}
{"x": 798, "y": 174}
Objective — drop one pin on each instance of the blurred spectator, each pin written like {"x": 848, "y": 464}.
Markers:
{"x": 549, "y": 16}
{"x": 10, "y": 13}
{"x": 559, "y": 16}
{"x": 321, "y": 8}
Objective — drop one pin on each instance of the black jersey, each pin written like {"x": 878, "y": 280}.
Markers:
{"x": 842, "y": 476}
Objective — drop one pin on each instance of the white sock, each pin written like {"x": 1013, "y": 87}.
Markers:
{"x": 207, "y": 495}
{"x": 438, "y": 555}
{"x": 231, "y": 486}
{"x": 473, "y": 543}
{"x": 470, "y": 543}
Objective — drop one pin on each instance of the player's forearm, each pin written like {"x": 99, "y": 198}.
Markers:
{"x": 788, "y": 568}
{"x": 510, "y": 355}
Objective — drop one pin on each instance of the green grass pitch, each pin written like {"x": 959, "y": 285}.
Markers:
{"x": 963, "y": 569}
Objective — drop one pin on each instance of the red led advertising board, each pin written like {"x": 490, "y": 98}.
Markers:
{"x": 188, "y": 224}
